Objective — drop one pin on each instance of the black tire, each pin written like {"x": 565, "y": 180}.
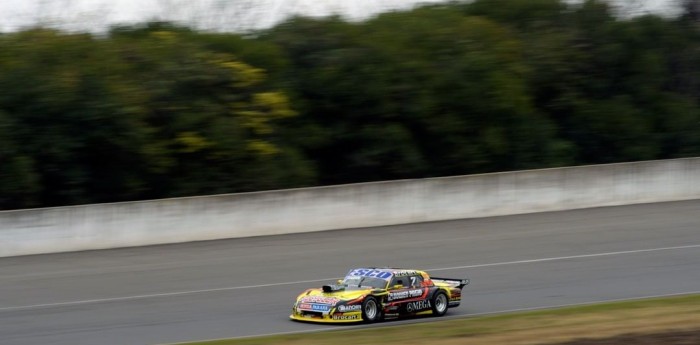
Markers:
{"x": 439, "y": 303}
{"x": 371, "y": 310}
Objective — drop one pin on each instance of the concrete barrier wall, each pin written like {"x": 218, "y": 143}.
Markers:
{"x": 101, "y": 226}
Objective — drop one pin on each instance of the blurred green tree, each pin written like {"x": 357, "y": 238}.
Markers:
{"x": 159, "y": 110}
{"x": 136, "y": 115}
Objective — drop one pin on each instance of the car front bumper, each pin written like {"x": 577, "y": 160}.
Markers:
{"x": 348, "y": 317}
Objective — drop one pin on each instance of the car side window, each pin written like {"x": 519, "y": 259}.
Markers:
{"x": 403, "y": 281}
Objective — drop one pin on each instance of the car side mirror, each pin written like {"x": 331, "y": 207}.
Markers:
{"x": 397, "y": 286}
{"x": 339, "y": 281}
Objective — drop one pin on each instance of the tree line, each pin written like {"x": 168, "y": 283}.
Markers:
{"x": 159, "y": 110}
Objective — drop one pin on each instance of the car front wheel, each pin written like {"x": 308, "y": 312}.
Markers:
{"x": 371, "y": 310}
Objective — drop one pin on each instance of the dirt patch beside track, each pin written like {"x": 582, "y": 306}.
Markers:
{"x": 691, "y": 337}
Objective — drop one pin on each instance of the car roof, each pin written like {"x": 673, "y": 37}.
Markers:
{"x": 393, "y": 269}
{"x": 383, "y": 272}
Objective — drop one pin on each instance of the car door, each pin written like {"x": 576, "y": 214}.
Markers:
{"x": 407, "y": 294}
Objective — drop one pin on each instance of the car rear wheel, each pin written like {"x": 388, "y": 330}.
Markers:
{"x": 439, "y": 304}
{"x": 370, "y": 310}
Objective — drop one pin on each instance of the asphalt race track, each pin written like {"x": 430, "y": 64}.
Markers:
{"x": 245, "y": 287}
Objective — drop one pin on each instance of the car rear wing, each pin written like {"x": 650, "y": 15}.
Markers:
{"x": 458, "y": 283}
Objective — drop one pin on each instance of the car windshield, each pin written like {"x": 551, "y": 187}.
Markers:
{"x": 364, "y": 282}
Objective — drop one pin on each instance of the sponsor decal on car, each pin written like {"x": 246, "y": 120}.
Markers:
{"x": 314, "y": 307}
{"x": 417, "y": 306}
{"x": 344, "y": 308}
{"x": 366, "y": 272}
{"x": 319, "y": 299}
{"x": 405, "y": 273}
{"x": 345, "y": 317}
{"x": 404, "y": 294}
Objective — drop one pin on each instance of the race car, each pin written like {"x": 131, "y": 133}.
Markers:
{"x": 373, "y": 294}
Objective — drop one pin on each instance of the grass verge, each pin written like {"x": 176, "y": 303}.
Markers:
{"x": 597, "y": 321}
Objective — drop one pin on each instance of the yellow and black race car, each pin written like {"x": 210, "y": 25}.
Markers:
{"x": 373, "y": 294}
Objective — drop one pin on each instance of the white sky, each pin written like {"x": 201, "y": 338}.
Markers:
{"x": 213, "y": 14}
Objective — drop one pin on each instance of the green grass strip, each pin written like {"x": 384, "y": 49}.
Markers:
{"x": 533, "y": 327}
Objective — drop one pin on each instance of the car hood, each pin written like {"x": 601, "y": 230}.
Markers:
{"x": 319, "y": 296}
